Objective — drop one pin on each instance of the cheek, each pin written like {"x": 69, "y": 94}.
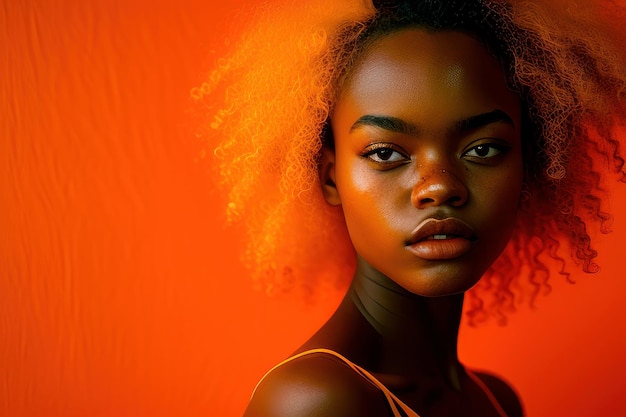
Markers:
{"x": 353, "y": 180}
{"x": 360, "y": 200}
{"x": 500, "y": 197}
{"x": 371, "y": 203}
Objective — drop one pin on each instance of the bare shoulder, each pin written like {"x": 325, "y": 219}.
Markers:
{"x": 316, "y": 385}
{"x": 504, "y": 393}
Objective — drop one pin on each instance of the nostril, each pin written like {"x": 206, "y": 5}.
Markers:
{"x": 456, "y": 200}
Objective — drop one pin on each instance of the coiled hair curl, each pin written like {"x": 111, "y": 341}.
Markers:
{"x": 266, "y": 108}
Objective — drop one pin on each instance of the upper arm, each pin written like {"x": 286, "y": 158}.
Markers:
{"x": 504, "y": 393}
{"x": 313, "y": 386}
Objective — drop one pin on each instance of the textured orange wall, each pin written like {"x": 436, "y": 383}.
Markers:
{"x": 120, "y": 291}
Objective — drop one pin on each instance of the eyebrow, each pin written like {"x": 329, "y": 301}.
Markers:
{"x": 392, "y": 124}
{"x": 396, "y": 125}
{"x": 480, "y": 120}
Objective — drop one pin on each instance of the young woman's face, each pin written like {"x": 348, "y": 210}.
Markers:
{"x": 428, "y": 162}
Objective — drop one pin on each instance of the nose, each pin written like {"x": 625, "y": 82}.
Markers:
{"x": 441, "y": 187}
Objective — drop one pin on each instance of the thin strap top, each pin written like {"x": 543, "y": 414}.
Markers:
{"x": 398, "y": 408}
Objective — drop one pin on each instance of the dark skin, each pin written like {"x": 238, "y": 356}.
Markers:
{"x": 425, "y": 375}
{"x": 427, "y": 169}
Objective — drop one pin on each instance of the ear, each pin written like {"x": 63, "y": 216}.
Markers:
{"x": 327, "y": 177}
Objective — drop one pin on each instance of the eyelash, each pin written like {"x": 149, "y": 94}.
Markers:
{"x": 499, "y": 148}
{"x": 375, "y": 150}
{"x": 373, "y": 153}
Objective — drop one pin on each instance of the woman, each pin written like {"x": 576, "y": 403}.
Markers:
{"x": 454, "y": 141}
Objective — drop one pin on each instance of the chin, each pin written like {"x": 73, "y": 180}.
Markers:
{"x": 441, "y": 284}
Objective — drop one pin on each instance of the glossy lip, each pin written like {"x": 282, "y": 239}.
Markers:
{"x": 448, "y": 226}
{"x": 459, "y": 239}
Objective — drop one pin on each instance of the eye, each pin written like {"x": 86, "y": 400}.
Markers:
{"x": 384, "y": 154}
{"x": 485, "y": 151}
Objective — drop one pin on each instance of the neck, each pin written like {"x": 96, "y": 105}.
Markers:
{"x": 416, "y": 334}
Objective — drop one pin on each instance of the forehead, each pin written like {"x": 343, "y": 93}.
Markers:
{"x": 414, "y": 71}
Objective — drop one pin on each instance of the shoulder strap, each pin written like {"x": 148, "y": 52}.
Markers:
{"x": 487, "y": 392}
{"x": 394, "y": 402}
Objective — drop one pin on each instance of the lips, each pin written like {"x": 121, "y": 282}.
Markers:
{"x": 435, "y": 239}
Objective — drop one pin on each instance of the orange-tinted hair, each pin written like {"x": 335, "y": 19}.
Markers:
{"x": 268, "y": 102}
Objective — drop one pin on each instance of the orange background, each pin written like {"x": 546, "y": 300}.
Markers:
{"x": 120, "y": 290}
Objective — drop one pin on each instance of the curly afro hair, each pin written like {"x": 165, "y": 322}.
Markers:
{"x": 266, "y": 109}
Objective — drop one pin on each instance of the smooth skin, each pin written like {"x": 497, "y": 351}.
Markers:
{"x": 425, "y": 130}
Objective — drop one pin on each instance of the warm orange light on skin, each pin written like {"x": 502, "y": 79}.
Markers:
{"x": 427, "y": 100}
{"x": 121, "y": 292}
